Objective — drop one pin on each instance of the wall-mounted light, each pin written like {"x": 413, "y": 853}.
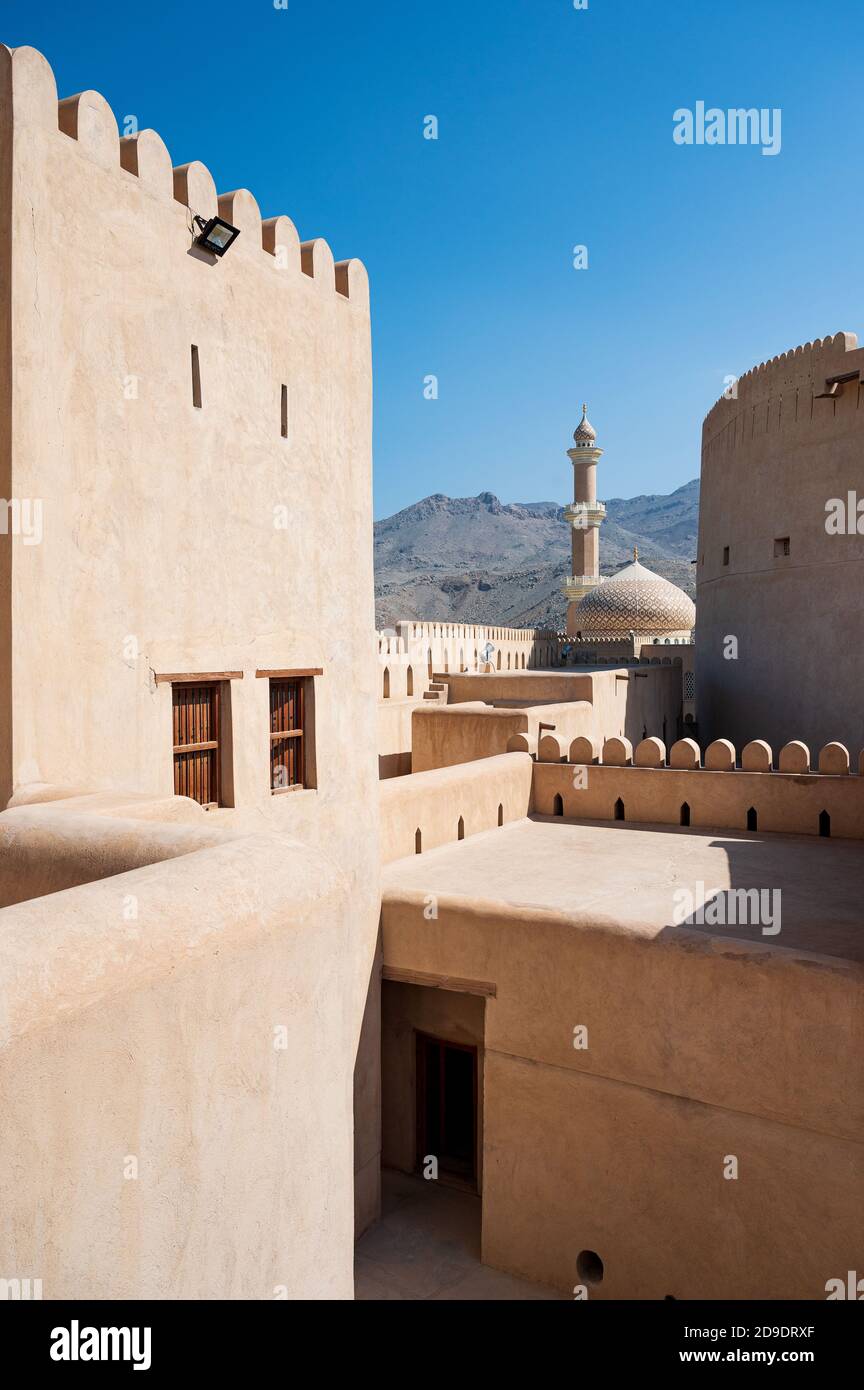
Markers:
{"x": 215, "y": 235}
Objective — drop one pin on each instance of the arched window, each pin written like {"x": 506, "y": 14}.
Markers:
{"x": 409, "y": 681}
{"x": 619, "y": 809}
{"x": 500, "y": 813}
{"x": 499, "y": 658}
{"x": 418, "y": 841}
{"x": 429, "y": 663}
{"x": 558, "y": 805}
{"x": 685, "y": 813}
{"x": 460, "y": 829}
{"x": 752, "y": 819}
{"x": 386, "y": 682}
{"x": 824, "y": 823}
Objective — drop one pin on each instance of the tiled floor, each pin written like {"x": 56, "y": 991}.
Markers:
{"x": 427, "y": 1245}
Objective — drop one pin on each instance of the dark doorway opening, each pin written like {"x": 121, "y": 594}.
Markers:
{"x": 752, "y": 819}
{"x": 824, "y": 823}
{"x": 447, "y": 1107}
{"x": 619, "y": 809}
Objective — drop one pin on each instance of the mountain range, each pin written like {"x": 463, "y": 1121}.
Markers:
{"x": 476, "y": 559}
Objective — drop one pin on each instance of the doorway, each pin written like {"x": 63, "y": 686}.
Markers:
{"x": 447, "y": 1107}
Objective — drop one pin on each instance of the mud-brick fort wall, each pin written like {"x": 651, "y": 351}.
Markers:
{"x": 184, "y": 519}
{"x": 771, "y": 575}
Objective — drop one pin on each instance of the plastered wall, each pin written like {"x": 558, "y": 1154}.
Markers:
{"x": 773, "y": 455}
{"x": 619, "y": 1148}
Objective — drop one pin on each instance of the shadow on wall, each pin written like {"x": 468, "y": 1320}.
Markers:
{"x": 772, "y": 896}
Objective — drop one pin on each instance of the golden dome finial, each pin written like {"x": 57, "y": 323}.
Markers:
{"x": 635, "y": 552}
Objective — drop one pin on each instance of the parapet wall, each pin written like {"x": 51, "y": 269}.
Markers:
{"x": 428, "y": 809}
{"x": 795, "y": 390}
{"x": 640, "y": 787}
{"x": 177, "y": 1031}
{"x": 87, "y": 119}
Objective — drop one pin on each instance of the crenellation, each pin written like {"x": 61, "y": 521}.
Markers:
{"x": 86, "y": 117}
{"x": 280, "y": 238}
{"x": 195, "y": 188}
{"x": 777, "y": 368}
{"x": 30, "y": 78}
{"x": 316, "y": 261}
{"x": 240, "y": 208}
{"x": 147, "y": 157}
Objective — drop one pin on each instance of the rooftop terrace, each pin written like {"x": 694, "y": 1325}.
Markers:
{"x": 625, "y": 879}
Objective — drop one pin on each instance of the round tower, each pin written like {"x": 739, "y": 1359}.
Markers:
{"x": 584, "y": 517}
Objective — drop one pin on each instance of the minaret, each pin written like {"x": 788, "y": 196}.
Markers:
{"x": 584, "y": 517}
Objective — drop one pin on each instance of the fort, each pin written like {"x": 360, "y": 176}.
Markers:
{"x": 290, "y": 908}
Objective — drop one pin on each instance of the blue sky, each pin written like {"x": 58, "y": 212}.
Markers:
{"x": 555, "y": 130}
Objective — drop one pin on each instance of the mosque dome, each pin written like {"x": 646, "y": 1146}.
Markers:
{"x": 585, "y": 433}
{"x": 635, "y": 600}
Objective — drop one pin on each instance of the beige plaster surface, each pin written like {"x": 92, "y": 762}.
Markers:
{"x": 427, "y": 1247}
{"x": 628, "y": 877}
{"x": 772, "y": 458}
{"x": 484, "y": 711}
{"x": 182, "y": 540}
{"x": 701, "y": 1043}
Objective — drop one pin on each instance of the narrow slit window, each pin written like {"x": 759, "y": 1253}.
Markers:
{"x": 196, "y": 378}
{"x": 781, "y": 546}
{"x": 284, "y": 411}
{"x": 725, "y": 554}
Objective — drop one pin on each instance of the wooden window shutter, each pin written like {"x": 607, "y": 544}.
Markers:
{"x": 287, "y": 755}
{"x": 196, "y": 742}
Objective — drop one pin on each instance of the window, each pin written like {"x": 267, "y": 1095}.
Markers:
{"x": 288, "y": 752}
{"x": 196, "y": 714}
{"x": 781, "y": 546}
{"x": 196, "y": 379}
{"x": 284, "y": 416}
{"x": 725, "y": 554}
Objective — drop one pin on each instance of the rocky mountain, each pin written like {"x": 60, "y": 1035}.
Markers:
{"x": 476, "y": 559}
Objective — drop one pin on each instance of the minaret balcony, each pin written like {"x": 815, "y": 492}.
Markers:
{"x": 583, "y": 515}
{"x": 576, "y": 586}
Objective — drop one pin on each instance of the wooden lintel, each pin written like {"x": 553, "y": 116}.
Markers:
{"x": 452, "y": 982}
{"x": 197, "y": 678}
{"x": 292, "y": 674}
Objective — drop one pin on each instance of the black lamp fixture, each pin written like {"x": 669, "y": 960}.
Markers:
{"x": 215, "y": 235}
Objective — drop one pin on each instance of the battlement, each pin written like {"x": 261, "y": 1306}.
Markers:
{"x": 28, "y": 95}
{"x": 817, "y": 370}
{"x": 612, "y": 781}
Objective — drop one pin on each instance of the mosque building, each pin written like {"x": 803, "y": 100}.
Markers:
{"x": 634, "y": 603}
